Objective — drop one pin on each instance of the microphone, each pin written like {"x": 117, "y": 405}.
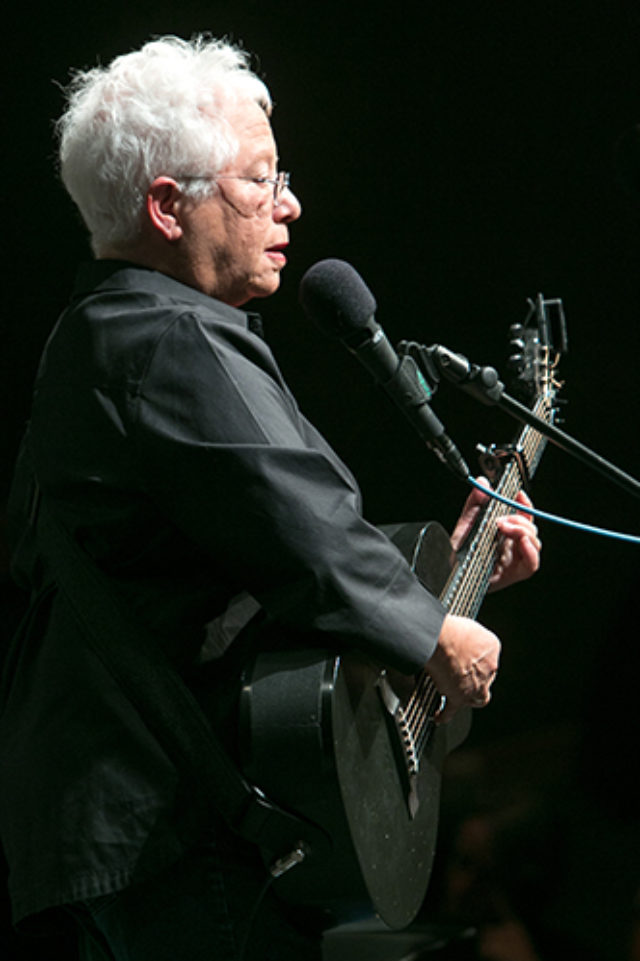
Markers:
{"x": 335, "y": 297}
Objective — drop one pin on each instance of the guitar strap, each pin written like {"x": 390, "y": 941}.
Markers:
{"x": 162, "y": 698}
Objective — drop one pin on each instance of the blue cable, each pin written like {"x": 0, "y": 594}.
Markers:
{"x": 631, "y": 538}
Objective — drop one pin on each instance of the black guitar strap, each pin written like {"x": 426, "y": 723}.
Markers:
{"x": 163, "y": 700}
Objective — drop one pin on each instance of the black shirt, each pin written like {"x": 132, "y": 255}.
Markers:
{"x": 169, "y": 445}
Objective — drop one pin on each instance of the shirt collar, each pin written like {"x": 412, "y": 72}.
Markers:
{"x": 123, "y": 275}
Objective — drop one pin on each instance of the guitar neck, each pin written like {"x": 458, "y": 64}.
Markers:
{"x": 467, "y": 586}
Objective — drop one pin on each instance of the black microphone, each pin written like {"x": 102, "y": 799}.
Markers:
{"x": 335, "y": 297}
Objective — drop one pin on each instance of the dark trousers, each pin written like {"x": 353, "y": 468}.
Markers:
{"x": 215, "y": 904}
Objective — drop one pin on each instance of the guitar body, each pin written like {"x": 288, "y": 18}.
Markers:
{"x": 320, "y": 738}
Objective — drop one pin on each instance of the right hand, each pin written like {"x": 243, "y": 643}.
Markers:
{"x": 463, "y": 665}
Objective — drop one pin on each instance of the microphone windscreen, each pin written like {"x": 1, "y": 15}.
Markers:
{"x": 335, "y": 297}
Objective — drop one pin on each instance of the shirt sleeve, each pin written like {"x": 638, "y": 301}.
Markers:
{"x": 226, "y": 455}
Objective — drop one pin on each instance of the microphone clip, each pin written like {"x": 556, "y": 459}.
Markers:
{"x": 433, "y": 362}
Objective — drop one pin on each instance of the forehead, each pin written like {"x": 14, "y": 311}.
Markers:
{"x": 251, "y": 126}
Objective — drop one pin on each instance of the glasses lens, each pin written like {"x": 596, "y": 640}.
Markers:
{"x": 280, "y": 185}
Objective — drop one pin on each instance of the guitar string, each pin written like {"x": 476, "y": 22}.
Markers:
{"x": 425, "y": 698}
{"x": 532, "y": 443}
{"x": 460, "y": 604}
{"x": 467, "y": 595}
{"x": 487, "y": 540}
{"x": 469, "y": 583}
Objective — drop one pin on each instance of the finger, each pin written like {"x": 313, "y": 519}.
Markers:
{"x": 524, "y": 499}
{"x": 484, "y": 482}
{"x": 476, "y": 498}
{"x": 474, "y": 502}
{"x": 517, "y": 521}
{"x": 522, "y": 541}
{"x": 480, "y": 700}
{"x": 517, "y": 526}
{"x": 506, "y": 557}
{"x": 530, "y": 552}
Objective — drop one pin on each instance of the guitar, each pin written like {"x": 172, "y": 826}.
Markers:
{"x": 353, "y": 748}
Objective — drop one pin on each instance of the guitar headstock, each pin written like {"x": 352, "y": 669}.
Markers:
{"x": 537, "y": 345}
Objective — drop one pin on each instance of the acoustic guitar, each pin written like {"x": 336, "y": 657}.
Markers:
{"x": 352, "y": 747}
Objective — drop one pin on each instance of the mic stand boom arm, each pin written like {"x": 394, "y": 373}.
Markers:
{"x": 484, "y": 384}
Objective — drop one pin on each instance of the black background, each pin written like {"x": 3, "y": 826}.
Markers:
{"x": 463, "y": 156}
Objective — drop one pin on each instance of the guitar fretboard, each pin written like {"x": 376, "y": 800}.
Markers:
{"x": 467, "y": 586}
{"x": 469, "y": 581}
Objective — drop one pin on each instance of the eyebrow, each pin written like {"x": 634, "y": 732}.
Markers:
{"x": 267, "y": 155}
{"x": 264, "y": 157}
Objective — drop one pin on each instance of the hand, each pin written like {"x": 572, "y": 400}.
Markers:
{"x": 519, "y": 555}
{"x": 463, "y": 665}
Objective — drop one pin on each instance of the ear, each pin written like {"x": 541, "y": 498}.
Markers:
{"x": 163, "y": 207}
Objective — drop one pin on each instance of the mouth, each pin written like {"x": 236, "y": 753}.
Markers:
{"x": 277, "y": 253}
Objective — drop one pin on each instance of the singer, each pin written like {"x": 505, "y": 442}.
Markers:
{"x": 166, "y": 447}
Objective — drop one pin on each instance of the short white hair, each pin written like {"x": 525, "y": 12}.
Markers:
{"x": 158, "y": 111}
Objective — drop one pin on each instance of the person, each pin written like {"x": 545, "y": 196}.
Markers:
{"x": 167, "y": 445}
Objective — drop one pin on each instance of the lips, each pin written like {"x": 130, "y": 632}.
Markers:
{"x": 277, "y": 252}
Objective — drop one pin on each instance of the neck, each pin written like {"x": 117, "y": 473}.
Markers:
{"x": 165, "y": 259}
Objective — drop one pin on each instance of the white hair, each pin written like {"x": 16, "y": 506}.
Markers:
{"x": 160, "y": 110}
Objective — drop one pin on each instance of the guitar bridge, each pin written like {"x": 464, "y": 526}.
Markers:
{"x": 405, "y": 746}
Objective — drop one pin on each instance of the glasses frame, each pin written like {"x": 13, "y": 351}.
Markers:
{"x": 280, "y": 182}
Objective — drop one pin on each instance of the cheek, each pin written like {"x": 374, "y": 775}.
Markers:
{"x": 254, "y": 239}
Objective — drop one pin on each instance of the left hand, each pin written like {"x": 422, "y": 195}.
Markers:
{"x": 519, "y": 555}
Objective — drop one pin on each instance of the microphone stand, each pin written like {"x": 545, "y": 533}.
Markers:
{"x": 484, "y": 385}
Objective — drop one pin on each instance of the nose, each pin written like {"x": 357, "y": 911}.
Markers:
{"x": 288, "y": 207}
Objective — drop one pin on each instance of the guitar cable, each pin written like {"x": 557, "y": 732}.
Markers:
{"x": 244, "y": 944}
{"x": 543, "y": 515}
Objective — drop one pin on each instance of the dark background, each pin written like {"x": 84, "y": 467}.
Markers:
{"x": 464, "y": 157}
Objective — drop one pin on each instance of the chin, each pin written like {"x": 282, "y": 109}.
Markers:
{"x": 265, "y": 289}
{"x": 259, "y": 289}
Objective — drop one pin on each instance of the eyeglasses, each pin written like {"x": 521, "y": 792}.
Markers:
{"x": 279, "y": 183}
